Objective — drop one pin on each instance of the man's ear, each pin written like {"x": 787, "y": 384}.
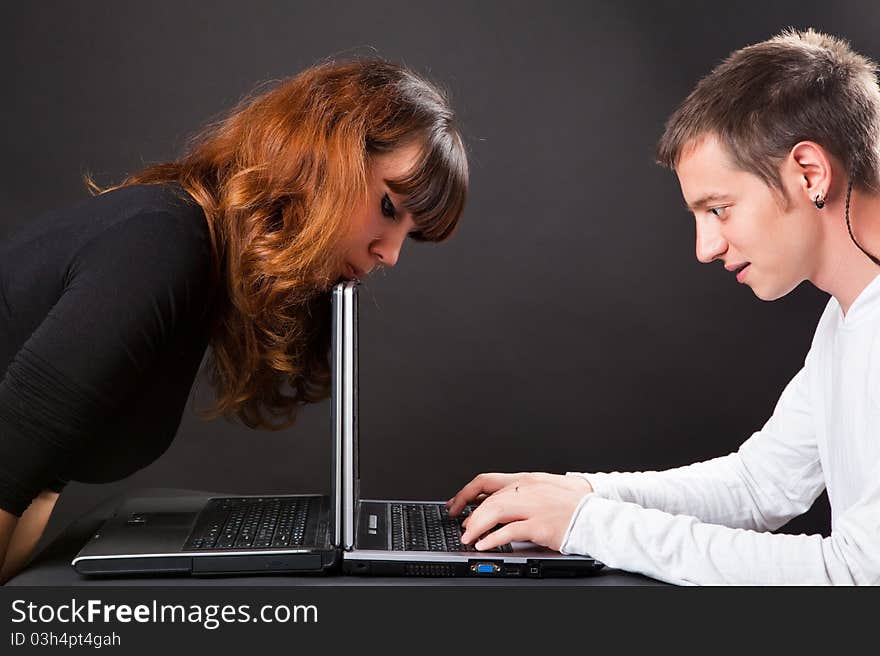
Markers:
{"x": 810, "y": 170}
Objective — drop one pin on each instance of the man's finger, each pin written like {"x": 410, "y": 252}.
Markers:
{"x": 478, "y": 522}
{"x": 488, "y": 515}
{"x": 513, "y": 532}
{"x": 483, "y": 484}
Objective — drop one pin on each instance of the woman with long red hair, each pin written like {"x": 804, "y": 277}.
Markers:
{"x": 106, "y": 308}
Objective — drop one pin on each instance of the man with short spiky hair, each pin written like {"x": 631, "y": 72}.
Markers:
{"x": 777, "y": 152}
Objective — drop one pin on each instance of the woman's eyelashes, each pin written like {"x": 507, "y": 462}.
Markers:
{"x": 388, "y": 209}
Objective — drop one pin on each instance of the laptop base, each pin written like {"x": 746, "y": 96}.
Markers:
{"x": 207, "y": 566}
{"x": 477, "y": 567}
{"x": 145, "y": 537}
{"x": 372, "y": 554}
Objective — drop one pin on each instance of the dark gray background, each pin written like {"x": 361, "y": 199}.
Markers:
{"x": 567, "y": 325}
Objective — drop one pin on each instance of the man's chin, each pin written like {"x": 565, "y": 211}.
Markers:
{"x": 771, "y": 294}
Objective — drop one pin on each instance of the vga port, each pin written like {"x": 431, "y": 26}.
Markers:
{"x": 485, "y": 568}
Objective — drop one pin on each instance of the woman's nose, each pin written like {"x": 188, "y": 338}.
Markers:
{"x": 387, "y": 250}
{"x": 386, "y": 254}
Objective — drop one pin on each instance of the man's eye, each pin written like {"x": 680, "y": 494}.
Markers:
{"x": 388, "y": 208}
{"x": 717, "y": 211}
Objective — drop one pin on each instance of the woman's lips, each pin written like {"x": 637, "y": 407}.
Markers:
{"x": 741, "y": 274}
{"x": 350, "y": 272}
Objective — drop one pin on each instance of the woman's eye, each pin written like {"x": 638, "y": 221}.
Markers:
{"x": 388, "y": 208}
{"x": 718, "y": 211}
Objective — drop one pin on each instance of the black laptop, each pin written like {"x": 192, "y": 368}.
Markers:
{"x": 309, "y": 533}
{"x": 416, "y": 538}
{"x": 227, "y": 535}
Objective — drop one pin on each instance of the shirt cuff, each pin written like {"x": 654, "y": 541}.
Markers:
{"x": 602, "y": 484}
{"x": 571, "y": 523}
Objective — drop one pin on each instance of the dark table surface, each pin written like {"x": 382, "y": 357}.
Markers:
{"x": 51, "y": 567}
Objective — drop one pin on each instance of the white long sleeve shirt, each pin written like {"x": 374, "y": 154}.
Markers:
{"x": 707, "y": 523}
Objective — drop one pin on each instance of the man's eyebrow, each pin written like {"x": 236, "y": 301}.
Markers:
{"x": 707, "y": 200}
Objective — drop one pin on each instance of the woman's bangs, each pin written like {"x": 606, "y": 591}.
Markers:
{"x": 435, "y": 190}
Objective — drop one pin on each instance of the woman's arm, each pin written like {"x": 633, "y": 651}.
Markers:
{"x": 19, "y": 537}
{"x": 8, "y": 522}
{"x": 129, "y": 294}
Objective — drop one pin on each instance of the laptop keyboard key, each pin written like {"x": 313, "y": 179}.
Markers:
{"x": 254, "y": 523}
{"x": 429, "y": 527}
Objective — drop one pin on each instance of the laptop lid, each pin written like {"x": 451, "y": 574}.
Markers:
{"x": 349, "y": 409}
{"x": 336, "y": 414}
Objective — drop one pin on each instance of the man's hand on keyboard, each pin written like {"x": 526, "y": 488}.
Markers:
{"x": 534, "y": 507}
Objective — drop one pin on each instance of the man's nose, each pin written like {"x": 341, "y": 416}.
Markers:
{"x": 710, "y": 241}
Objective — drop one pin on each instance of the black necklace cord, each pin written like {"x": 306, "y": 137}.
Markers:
{"x": 849, "y": 228}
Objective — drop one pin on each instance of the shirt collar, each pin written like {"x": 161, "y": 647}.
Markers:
{"x": 866, "y": 303}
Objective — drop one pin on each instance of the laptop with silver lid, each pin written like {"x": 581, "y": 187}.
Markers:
{"x": 415, "y": 538}
{"x": 200, "y": 534}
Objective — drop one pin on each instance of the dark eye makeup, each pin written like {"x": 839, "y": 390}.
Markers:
{"x": 388, "y": 208}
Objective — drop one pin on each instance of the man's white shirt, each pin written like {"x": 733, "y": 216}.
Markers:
{"x": 708, "y": 523}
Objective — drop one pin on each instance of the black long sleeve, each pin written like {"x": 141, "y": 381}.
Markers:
{"x": 103, "y": 324}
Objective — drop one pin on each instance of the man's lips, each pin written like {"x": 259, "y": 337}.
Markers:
{"x": 740, "y": 269}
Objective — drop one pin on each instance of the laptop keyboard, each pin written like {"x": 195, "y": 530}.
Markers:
{"x": 429, "y": 527}
{"x": 255, "y": 523}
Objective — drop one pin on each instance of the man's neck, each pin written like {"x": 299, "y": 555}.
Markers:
{"x": 845, "y": 270}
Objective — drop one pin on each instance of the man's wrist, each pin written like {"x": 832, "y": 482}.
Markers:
{"x": 588, "y": 486}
